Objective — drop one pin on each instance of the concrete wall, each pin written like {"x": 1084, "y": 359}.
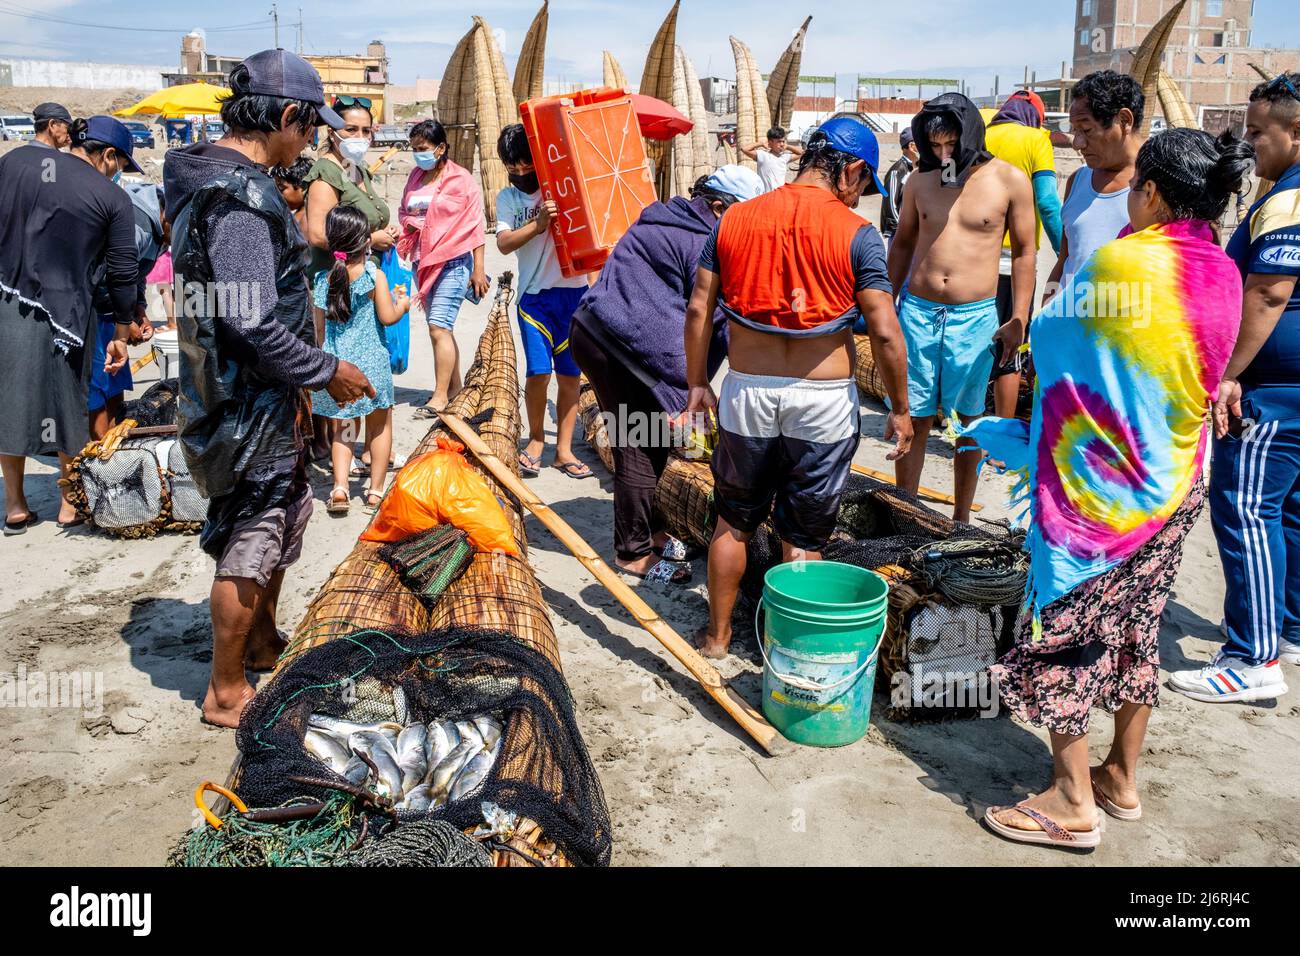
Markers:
{"x": 84, "y": 76}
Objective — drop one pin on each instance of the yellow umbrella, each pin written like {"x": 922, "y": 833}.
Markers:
{"x": 179, "y": 101}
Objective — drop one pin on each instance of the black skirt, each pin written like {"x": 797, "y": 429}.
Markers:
{"x": 45, "y": 391}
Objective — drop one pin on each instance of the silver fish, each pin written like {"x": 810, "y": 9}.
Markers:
{"x": 420, "y": 798}
{"x": 443, "y": 774}
{"x": 442, "y": 739}
{"x": 468, "y": 731}
{"x": 326, "y": 749}
{"x": 399, "y": 704}
{"x": 356, "y": 771}
{"x": 342, "y": 729}
{"x": 472, "y": 777}
{"x": 489, "y": 729}
{"x": 377, "y": 747}
{"x": 412, "y": 755}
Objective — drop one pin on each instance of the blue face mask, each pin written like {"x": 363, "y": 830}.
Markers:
{"x": 426, "y": 159}
{"x": 117, "y": 176}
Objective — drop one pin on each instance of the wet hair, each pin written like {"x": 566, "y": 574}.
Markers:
{"x": 347, "y": 231}
{"x": 818, "y": 153}
{"x": 776, "y": 132}
{"x": 1282, "y": 93}
{"x": 294, "y": 173}
{"x": 512, "y": 145}
{"x": 942, "y": 123}
{"x": 247, "y": 112}
{"x": 430, "y": 131}
{"x": 1107, "y": 92}
{"x": 1195, "y": 173}
{"x": 79, "y": 130}
{"x": 701, "y": 190}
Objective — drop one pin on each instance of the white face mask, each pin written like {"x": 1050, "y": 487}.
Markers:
{"x": 354, "y": 150}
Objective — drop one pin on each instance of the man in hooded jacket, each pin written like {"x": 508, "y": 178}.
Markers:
{"x": 627, "y": 337}
{"x": 943, "y": 265}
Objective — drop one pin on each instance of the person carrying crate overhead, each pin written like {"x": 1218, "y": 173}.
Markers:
{"x": 547, "y": 301}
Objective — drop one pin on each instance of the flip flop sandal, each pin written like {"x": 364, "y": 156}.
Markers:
{"x": 359, "y": 468}
{"x": 426, "y": 411}
{"x": 13, "y": 528}
{"x": 677, "y": 550}
{"x": 1051, "y": 834}
{"x": 574, "y": 469}
{"x": 665, "y": 572}
{"x": 1128, "y": 814}
{"x": 336, "y": 507}
{"x": 76, "y": 522}
{"x": 529, "y": 465}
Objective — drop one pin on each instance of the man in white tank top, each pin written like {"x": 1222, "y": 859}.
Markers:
{"x": 1106, "y": 122}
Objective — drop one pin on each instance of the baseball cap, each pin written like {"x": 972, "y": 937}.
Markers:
{"x": 105, "y": 129}
{"x": 735, "y": 180}
{"x": 283, "y": 74}
{"x": 51, "y": 111}
{"x": 852, "y": 135}
{"x": 905, "y": 137}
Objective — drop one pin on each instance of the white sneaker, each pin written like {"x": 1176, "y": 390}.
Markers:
{"x": 1289, "y": 652}
{"x": 1227, "y": 679}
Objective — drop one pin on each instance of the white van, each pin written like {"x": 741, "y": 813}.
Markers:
{"x": 16, "y": 127}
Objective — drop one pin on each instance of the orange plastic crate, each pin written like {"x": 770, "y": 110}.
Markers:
{"x": 590, "y": 159}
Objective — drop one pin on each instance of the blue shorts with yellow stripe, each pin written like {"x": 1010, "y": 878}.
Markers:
{"x": 544, "y": 319}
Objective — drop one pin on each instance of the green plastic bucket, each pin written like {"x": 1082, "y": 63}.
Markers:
{"x": 820, "y": 641}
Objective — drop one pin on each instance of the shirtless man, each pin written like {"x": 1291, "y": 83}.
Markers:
{"x": 944, "y": 263}
{"x": 791, "y": 270}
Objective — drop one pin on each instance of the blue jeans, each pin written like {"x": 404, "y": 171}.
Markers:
{"x": 442, "y": 304}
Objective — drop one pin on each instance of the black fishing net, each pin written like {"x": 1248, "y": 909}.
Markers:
{"x": 542, "y": 772}
{"x": 878, "y": 525}
{"x": 156, "y": 407}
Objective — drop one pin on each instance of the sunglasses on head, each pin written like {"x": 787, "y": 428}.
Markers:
{"x": 1283, "y": 82}
{"x": 363, "y": 101}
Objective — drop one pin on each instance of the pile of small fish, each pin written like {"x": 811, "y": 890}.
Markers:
{"x": 417, "y": 767}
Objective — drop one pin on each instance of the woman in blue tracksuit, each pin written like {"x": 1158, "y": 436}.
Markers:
{"x": 1255, "y": 472}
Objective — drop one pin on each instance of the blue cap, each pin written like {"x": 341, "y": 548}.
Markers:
{"x": 852, "y": 135}
{"x": 735, "y": 180}
{"x": 287, "y": 76}
{"x": 105, "y": 129}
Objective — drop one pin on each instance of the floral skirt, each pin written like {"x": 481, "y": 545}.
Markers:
{"x": 1100, "y": 643}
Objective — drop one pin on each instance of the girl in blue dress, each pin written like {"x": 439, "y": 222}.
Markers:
{"x": 353, "y": 302}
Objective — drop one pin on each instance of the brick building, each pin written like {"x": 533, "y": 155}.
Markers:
{"x": 1209, "y": 53}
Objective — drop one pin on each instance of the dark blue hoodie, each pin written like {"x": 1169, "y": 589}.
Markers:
{"x": 640, "y": 298}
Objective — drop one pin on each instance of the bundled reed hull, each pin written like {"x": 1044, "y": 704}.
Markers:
{"x": 1150, "y": 54}
{"x": 683, "y": 152}
{"x": 1178, "y": 112}
{"x": 783, "y": 84}
{"x": 657, "y": 81}
{"x": 753, "y": 118}
{"x": 699, "y": 116}
{"x": 593, "y": 425}
{"x": 870, "y": 381}
{"x": 456, "y": 103}
{"x": 490, "y": 85}
{"x": 531, "y": 66}
{"x": 612, "y": 73}
{"x": 683, "y": 501}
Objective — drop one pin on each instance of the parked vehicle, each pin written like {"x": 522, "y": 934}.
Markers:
{"x": 392, "y": 134}
{"x": 215, "y": 129}
{"x": 16, "y": 128}
{"x": 141, "y": 134}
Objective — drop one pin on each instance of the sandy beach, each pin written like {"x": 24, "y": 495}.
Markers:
{"x": 684, "y": 785}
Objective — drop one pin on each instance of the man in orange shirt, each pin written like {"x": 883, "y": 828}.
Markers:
{"x": 791, "y": 270}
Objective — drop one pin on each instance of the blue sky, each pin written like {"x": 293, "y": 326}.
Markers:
{"x": 959, "y": 38}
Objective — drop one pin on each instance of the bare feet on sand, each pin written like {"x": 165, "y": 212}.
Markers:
{"x": 224, "y": 711}
{"x": 714, "y": 648}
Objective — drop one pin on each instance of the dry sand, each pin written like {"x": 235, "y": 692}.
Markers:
{"x": 683, "y": 784}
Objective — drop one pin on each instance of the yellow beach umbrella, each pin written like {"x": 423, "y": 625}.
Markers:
{"x": 179, "y": 101}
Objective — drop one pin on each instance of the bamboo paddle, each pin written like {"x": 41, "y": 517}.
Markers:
{"x": 375, "y": 166}
{"x": 927, "y": 493}
{"x": 751, "y": 720}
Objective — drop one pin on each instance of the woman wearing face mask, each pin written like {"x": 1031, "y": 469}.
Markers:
{"x": 64, "y": 227}
{"x": 443, "y": 230}
{"x": 340, "y": 177}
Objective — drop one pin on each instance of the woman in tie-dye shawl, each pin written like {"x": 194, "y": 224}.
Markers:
{"x": 1128, "y": 356}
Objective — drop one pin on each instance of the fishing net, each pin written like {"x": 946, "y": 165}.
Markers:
{"x": 156, "y": 407}
{"x": 542, "y": 773}
{"x": 429, "y": 562}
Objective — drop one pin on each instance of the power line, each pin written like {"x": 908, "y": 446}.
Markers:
{"x": 25, "y": 14}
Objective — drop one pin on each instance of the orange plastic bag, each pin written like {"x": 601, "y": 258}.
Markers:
{"x": 440, "y": 487}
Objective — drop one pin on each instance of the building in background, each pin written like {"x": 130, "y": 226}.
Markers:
{"x": 343, "y": 74}
{"x": 1209, "y": 52}
{"x": 63, "y": 74}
